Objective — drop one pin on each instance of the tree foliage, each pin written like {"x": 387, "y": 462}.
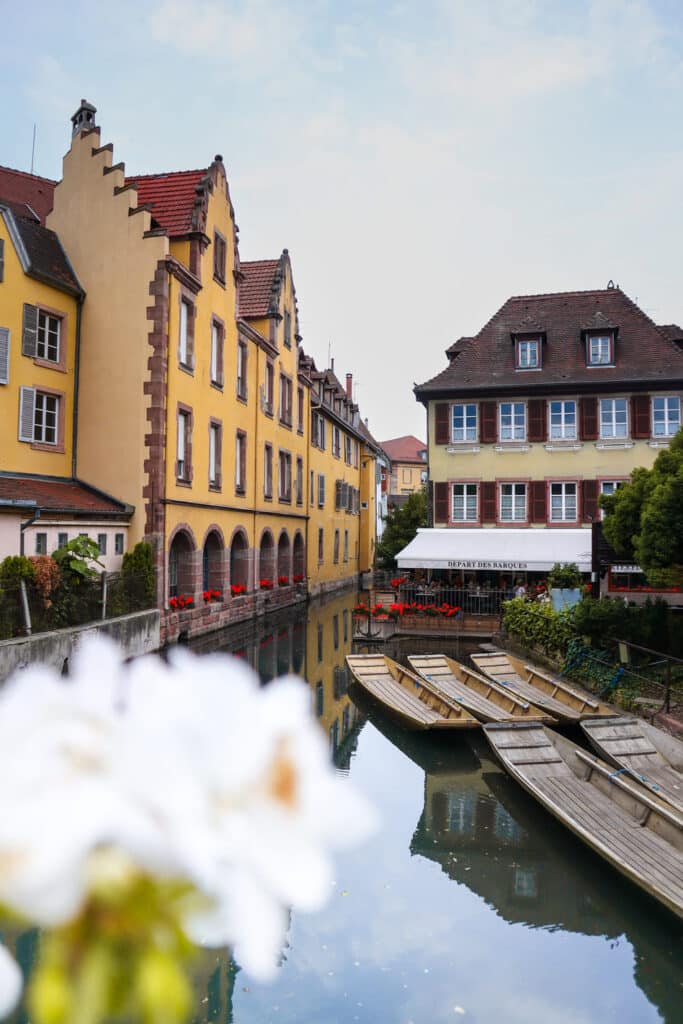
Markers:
{"x": 401, "y": 526}
{"x": 644, "y": 518}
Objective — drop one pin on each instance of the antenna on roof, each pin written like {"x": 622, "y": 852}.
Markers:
{"x": 33, "y": 147}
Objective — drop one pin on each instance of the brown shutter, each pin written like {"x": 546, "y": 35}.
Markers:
{"x": 4, "y": 355}
{"x": 537, "y": 419}
{"x": 30, "y": 331}
{"x": 2, "y": 259}
{"x": 589, "y": 501}
{"x": 488, "y": 416}
{"x": 640, "y": 416}
{"x": 588, "y": 419}
{"x": 487, "y": 492}
{"x": 442, "y": 432}
{"x": 537, "y": 509}
{"x": 441, "y": 503}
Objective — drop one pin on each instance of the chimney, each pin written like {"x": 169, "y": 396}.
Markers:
{"x": 349, "y": 386}
{"x": 332, "y": 364}
{"x": 84, "y": 118}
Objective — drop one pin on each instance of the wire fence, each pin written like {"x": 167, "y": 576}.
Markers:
{"x": 26, "y": 609}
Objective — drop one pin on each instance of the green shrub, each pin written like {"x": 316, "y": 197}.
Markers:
{"x": 537, "y": 624}
{"x": 564, "y": 576}
{"x": 13, "y": 570}
{"x": 139, "y": 577}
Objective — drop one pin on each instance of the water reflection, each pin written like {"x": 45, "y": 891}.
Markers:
{"x": 486, "y": 833}
{"x": 470, "y": 895}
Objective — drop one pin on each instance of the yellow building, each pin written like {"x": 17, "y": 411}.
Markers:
{"x": 341, "y": 531}
{"x": 195, "y": 401}
{"x": 554, "y": 402}
{"x": 408, "y": 457}
{"x": 42, "y": 504}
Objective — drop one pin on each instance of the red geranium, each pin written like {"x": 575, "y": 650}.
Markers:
{"x": 283, "y": 581}
{"x": 266, "y": 584}
{"x": 238, "y": 588}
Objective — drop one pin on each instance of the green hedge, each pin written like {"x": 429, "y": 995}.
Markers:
{"x": 537, "y": 624}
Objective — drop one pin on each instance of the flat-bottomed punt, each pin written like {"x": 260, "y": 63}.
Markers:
{"x": 485, "y": 699}
{"x": 563, "y": 702}
{"x": 639, "y": 834}
{"x": 644, "y": 752}
{"x": 407, "y": 697}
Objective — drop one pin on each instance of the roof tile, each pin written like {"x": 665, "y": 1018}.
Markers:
{"x": 53, "y": 494}
{"x": 256, "y": 287}
{"x": 404, "y": 449}
{"x": 21, "y": 188}
{"x": 171, "y": 196}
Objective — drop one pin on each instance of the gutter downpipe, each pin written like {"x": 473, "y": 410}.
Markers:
{"x": 77, "y": 373}
{"x": 24, "y": 526}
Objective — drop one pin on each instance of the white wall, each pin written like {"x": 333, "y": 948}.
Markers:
{"x": 9, "y": 534}
{"x": 110, "y": 561}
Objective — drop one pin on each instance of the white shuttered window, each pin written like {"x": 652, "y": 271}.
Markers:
{"x": 4, "y": 355}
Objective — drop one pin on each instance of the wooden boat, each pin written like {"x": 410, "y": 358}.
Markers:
{"x": 485, "y": 699}
{"x": 563, "y": 702}
{"x": 639, "y": 834}
{"x": 646, "y": 753}
{"x": 411, "y": 700}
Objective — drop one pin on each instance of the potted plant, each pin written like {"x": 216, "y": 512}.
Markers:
{"x": 564, "y": 584}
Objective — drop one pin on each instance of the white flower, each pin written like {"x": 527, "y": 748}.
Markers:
{"x": 191, "y": 770}
{"x": 11, "y": 983}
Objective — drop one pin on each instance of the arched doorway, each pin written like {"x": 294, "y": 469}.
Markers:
{"x": 266, "y": 561}
{"x": 239, "y": 560}
{"x": 180, "y": 566}
{"x": 283, "y": 568}
{"x": 298, "y": 558}
{"x": 212, "y": 562}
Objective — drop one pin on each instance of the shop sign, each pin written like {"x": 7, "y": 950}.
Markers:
{"x": 485, "y": 564}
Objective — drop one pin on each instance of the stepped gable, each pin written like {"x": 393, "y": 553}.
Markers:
{"x": 644, "y": 351}
{"x": 172, "y": 198}
{"x": 259, "y": 288}
{"x": 20, "y": 189}
{"x": 404, "y": 449}
{"x": 57, "y": 494}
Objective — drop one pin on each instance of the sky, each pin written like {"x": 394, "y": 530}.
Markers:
{"x": 421, "y": 161}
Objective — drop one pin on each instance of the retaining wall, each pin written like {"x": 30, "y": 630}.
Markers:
{"x": 138, "y": 633}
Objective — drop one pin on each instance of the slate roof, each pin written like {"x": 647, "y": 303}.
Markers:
{"x": 404, "y": 449}
{"x": 46, "y": 258}
{"x": 57, "y": 494}
{"x": 172, "y": 198}
{"x": 644, "y": 352}
{"x": 19, "y": 188}
{"x": 256, "y": 287}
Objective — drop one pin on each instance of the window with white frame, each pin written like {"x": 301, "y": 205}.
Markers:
{"x": 41, "y": 543}
{"x": 464, "y": 503}
{"x": 119, "y": 541}
{"x": 268, "y": 471}
{"x": 240, "y": 462}
{"x": 183, "y": 349}
{"x": 513, "y": 421}
{"x": 613, "y": 418}
{"x": 666, "y": 416}
{"x": 299, "y": 485}
{"x": 214, "y": 455}
{"x": 46, "y": 418}
{"x": 528, "y": 353}
{"x": 102, "y": 543}
{"x": 242, "y": 370}
{"x": 347, "y": 449}
{"x": 63, "y": 540}
{"x": 563, "y": 420}
{"x": 563, "y": 502}
{"x": 609, "y": 487}
{"x": 336, "y": 442}
{"x": 48, "y": 336}
{"x": 285, "y": 476}
{"x": 599, "y": 350}
{"x": 321, "y": 490}
{"x": 464, "y": 422}
{"x": 215, "y": 341}
{"x": 183, "y": 443}
{"x": 513, "y": 503}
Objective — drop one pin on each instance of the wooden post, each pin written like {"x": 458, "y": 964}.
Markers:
{"x": 667, "y": 693}
{"x": 25, "y": 608}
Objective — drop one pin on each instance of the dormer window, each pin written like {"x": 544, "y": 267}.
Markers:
{"x": 528, "y": 353}
{"x": 600, "y": 350}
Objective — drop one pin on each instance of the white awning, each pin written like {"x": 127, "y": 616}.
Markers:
{"x": 498, "y": 550}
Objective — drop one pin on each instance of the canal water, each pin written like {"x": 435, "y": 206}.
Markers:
{"x": 470, "y": 903}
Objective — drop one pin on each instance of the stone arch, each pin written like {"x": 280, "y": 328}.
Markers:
{"x": 299, "y": 555}
{"x": 181, "y": 562}
{"x": 266, "y": 559}
{"x": 213, "y": 559}
{"x": 239, "y": 559}
{"x": 283, "y": 555}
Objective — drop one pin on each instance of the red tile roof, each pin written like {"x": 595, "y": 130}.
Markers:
{"x": 256, "y": 288}
{"x": 18, "y": 187}
{"x": 172, "y": 197}
{"x": 52, "y": 494}
{"x": 404, "y": 449}
{"x": 486, "y": 362}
